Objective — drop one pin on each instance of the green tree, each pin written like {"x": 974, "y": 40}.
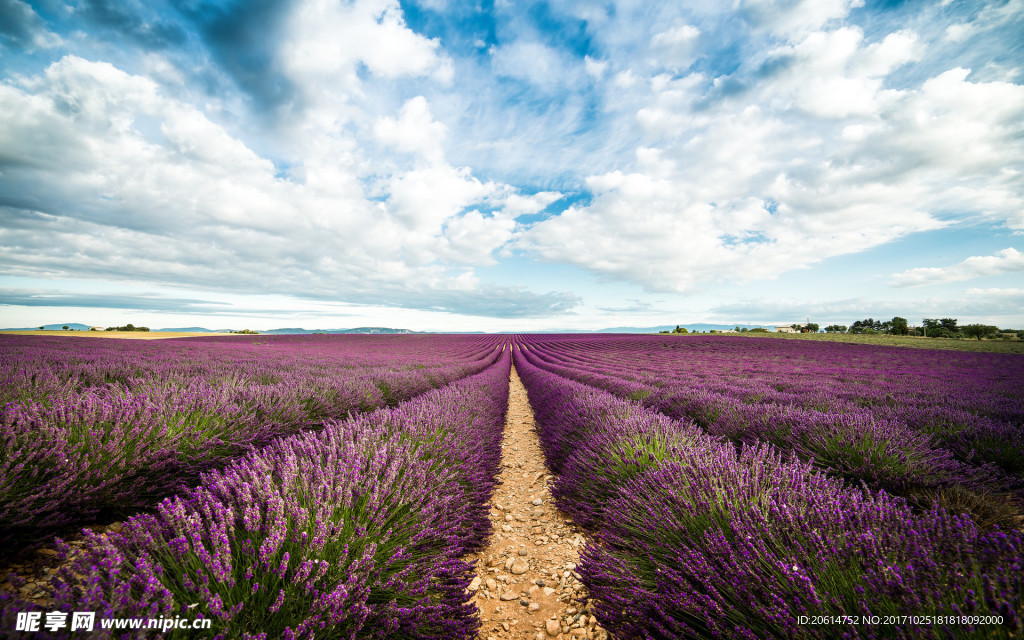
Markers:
{"x": 979, "y": 331}
{"x": 65, "y": 327}
{"x": 42, "y": 328}
{"x": 899, "y": 326}
{"x": 860, "y": 326}
{"x": 810, "y": 327}
{"x": 128, "y": 327}
{"x": 835, "y": 328}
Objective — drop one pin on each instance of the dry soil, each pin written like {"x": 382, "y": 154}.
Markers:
{"x": 526, "y": 586}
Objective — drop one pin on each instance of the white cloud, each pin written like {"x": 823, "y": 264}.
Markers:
{"x": 425, "y": 197}
{"x": 674, "y": 47}
{"x": 816, "y": 159}
{"x": 414, "y": 131}
{"x": 831, "y": 75}
{"x": 594, "y": 67}
{"x": 516, "y": 204}
{"x": 997, "y": 291}
{"x": 1008, "y": 260}
{"x": 537, "y": 63}
{"x": 794, "y": 18}
{"x": 187, "y": 203}
{"x": 475, "y": 237}
{"x": 327, "y": 40}
{"x": 960, "y": 32}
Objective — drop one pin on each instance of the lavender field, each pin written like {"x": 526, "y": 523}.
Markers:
{"x": 332, "y": 486}
{"x": 746, "y": 488}
{"x": 314, "y": 483}
{"x": 94, "y": 428}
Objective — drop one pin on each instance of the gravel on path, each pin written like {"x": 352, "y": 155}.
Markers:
{"x": 526, "y": 586}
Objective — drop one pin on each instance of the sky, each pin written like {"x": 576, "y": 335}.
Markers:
{"x": 510, "y": 165}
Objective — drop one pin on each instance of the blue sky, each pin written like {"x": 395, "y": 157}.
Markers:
{"x": 498, "y": 165}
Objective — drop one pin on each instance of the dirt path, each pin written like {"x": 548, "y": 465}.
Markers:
{"x": 525, "y": 586}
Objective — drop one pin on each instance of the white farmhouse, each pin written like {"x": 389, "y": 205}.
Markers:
{"x": 785, "y": 329}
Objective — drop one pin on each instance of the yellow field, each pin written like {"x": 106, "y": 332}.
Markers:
{"x": 129, "y": 335}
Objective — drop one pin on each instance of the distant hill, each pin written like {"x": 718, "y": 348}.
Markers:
{"x": 194, "y": 330}
{"x": 366, "y": 330}
{"x": 77, "y": 326}
{"x": 695, "y": 326}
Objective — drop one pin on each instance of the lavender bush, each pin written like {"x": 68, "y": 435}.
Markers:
{"x": 695, "y": 538}
{"x": 870, "y": 420}
{"x": 355, "y": 531}
{"x": 90, "y": 428}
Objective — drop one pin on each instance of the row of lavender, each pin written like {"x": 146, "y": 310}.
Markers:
{"x": 695, "y": 538}
{"x": 90, "y": 426}
{"x": 908, "y": 421}
{"x": 355, "y": 530}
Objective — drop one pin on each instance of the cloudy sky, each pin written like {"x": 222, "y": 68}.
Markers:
{"x": 503, "y": 165}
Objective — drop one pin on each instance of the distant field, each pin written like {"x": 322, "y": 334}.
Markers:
{"x": 916, "y": 342}
{"x": 133, "y": 335}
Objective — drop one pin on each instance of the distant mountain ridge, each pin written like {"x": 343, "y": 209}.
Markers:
{"x": 362, "y": 330}
{"x": 77, "y": 326}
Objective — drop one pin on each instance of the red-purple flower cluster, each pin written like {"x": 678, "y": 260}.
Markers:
{"x": 697, "y": 537}
{"x": 354, "y": 530}
{"x": 93, "y": 429}
{"x": 898, "y": 419}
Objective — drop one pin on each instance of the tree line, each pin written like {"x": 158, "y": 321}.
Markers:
{"x": 897, "y": 326}
{"x": 930, "y": 328}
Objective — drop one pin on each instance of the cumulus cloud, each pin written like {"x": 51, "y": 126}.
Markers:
{"x": 413, "y": 131}
{"x": 833, "y": 75}
{"x": 1008, "y": 260}
{"x": 89, "y": 192}
{"x": 814, "y": 156}
{"x": 327, "y": 40}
